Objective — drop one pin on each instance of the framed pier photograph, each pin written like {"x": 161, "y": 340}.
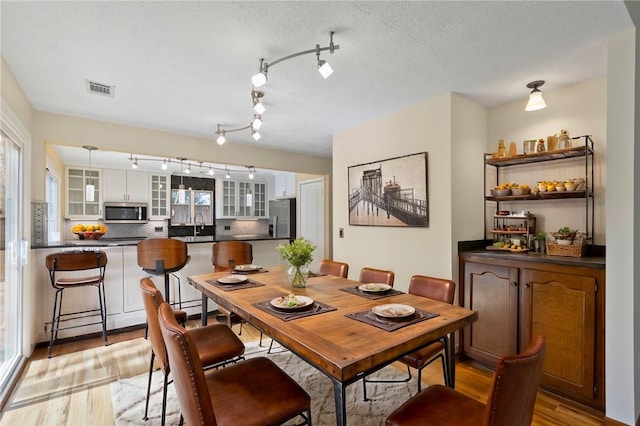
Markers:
{"x": 391, "y": 192}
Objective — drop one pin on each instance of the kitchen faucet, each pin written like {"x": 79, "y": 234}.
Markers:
{"x": 195, "y": 223}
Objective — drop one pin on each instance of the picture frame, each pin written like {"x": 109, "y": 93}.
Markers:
{"x": 391, "y": 192}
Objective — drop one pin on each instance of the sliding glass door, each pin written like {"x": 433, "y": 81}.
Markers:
{"x": 12, "y": 253}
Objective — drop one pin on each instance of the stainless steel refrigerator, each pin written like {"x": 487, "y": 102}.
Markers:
{"x": 282, "y": 218}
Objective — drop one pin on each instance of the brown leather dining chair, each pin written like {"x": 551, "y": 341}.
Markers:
{"x": 332, "y": 267}
{"x": 442, "y": 290}
{"x": 252, "y": 392}
{"x": 227, "y": 254}
{"x": 163, "y": 256}
{"x": 215, "y": 345}
{"x": 510, "y": 402}
{"x": 86, "y": 269}
{"x": 372, "y": 275}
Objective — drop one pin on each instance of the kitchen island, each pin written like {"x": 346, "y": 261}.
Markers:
{"x": 124, "y": 302}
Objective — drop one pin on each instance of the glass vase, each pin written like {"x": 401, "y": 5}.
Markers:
{"x": 297, "y": 275}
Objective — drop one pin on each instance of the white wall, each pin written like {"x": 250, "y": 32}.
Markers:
{"x": 580, "y": 108}
{"x": 622, "y": 306}
{"x": 405, "y": 250}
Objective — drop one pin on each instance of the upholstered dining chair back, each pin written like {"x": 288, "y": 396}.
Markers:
{"x": 515, "y": 387}
{"x": 332, "y": 267}
{"x": 372, "y": 275}
{"x": 158, "y": 256}
{"x": 152, "y": 298}
{"x": 439, "y": 289}
{"x": 240, "y": 252}
{"x": 188, "y": 375}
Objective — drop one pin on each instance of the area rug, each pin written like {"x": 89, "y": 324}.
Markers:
{"x": 128, "y": 395}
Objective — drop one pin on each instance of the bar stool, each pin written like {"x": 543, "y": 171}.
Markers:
{"x": 227, "y": 254}
{"x": 163, "y": 256}
{"x": 76, "y": 261}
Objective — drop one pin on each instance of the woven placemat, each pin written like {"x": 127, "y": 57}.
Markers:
{"x": 233, "y": 287}
{"x": 370, "y": 318}
{"x": 369, "y": 295}
{"x": 317, "y": 308}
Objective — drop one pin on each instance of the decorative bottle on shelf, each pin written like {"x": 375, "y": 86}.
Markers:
{"x": 502, "y": 151}
{"x": 540, "y": 145}
{"x": 564, "y": 140}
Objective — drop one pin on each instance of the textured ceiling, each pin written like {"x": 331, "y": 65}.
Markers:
{"x": 186, "y": 66}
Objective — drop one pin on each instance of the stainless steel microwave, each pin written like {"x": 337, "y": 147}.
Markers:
{"x": 126, "y": 212}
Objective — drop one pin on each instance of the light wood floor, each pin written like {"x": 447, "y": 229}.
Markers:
{"x": 72, "y": 388}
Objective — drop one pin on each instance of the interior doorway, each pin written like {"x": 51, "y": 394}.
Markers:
{"x": 312, "y": 216}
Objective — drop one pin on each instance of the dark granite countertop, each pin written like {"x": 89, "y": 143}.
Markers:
{"x": 588, "y": 261}
{"x": 117, "y": 242}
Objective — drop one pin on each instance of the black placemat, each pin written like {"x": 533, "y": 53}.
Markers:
{"x": 370, "y": 318}
{"x": 373, "y": 296}
{"x": 232, "y": 287}
{"x": 257, "y": 271}
{"x": 318, "y": 308}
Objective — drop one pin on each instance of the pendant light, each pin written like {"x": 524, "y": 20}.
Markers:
{"x": 182, "y": 194}
{"x": 90, "y": 193}
{"x": 535, "y": 98}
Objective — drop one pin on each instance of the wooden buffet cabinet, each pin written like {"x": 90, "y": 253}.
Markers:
{"x": 518, "y": 296}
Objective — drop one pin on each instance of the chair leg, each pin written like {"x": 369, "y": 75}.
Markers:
{"x": 164, "y": 398}
{"x": 103, "y": 311}
{"x": 448, "y": 380}
{"x": 146, "y": 406}
{"x": 364, "y": 390}
{"x": 53, "y": 321}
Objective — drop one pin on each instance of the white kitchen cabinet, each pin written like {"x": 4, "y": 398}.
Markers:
{"x": 126, "y": 186}
{"x": 285, "y": 185}
{"x": 80, "y": 204}
{"x": 234, "y": 202}
{"x": 159, "y": 196}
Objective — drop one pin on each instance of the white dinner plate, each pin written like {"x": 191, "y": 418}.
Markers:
{"x": 246, "y": 268}
{"x": 374, "y": 287}
{"x": 394, "y": 310}
{"x": 232, "y": 279}
{"x": 302, "y": 302}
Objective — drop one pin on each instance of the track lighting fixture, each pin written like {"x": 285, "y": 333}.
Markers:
{"x": 210, "y": 172}
{"x": 164, "y": 165}
{"x": 134, "y": 165}
{"x": 261, "y": 79}
{"x": 535, "y": 98}
{"x": 227, "y": 175}
{"x": 185, "y": 166}
{"x": 251, "y": 171}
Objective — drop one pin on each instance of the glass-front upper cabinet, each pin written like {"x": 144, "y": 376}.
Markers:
{"x": 203, "y": 207}
{"x": 260, "y": 199}
{"x": 83, "y": 193}
{"x": 159, "y": 196}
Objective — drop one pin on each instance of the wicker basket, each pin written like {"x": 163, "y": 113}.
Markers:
{"x": 574, "y": 250}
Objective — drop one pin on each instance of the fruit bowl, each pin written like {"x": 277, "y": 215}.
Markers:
{"x": 501, "y": 192}
{"x": 89, "y": 235}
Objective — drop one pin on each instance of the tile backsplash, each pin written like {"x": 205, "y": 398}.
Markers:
{"x": 241, "y": 227}
{"x": 122, "y": 230}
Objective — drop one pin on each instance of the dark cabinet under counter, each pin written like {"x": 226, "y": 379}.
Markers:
{"x": 518, "y": 296}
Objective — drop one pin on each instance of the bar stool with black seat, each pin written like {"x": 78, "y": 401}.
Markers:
{"x": 216, "y": 344}
{"x": 373, "y": 275}
{"x": 332, "y": 267}
{"x": 76, "y": 265}
{"x": 163, "y": 256}
{"x": 254, "y": 392}
{"x": 442, "y": 290}
{"x": 225, "y": 255}
{"x": 510, "y": 402}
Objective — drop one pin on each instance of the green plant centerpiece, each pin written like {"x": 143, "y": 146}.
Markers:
{"x": 541, "y": 236}
{"x": 298, "y": 254}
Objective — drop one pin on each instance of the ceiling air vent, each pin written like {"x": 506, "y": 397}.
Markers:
{"x": 100, "y": 89}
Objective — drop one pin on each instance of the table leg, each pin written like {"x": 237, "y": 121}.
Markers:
{"x": 166, "y": 288}
{"x": 204, "y": 310}
{"x": 452, "y": 359}
{"x": 341, "y": 401}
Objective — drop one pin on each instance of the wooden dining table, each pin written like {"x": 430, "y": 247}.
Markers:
{"x": 341, "y": 347}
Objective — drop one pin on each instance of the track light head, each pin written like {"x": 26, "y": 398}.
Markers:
{"x": 257, "y": 122}
{"x": 324, "y": 68}
{"x": 256, "y": 136}
{"x": 221, "y": 138}
{"x": 164, "y": 165}
{"x": 261, "y": 78}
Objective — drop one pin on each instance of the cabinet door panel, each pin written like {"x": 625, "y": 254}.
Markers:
{"x": 562, "y": 308}
{"x": 492, "y": 291}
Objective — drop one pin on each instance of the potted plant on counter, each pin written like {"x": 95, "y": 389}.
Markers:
{"x": 565, "y": 235}
{"x": 298, "y": 255}
{"x": 540, "y": 241}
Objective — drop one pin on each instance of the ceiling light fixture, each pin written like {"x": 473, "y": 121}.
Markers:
{"x": 135, "y": 163}
{"x": 222, "y": 132}
{"x": 535, "y": 98}
{"x": 210, "y": 172}
{"x": 251, "y": 172}
{"x": 164, "y": 165}
{"x": 255, "y": 99}
{"x": 90, "y": 194}
{"x": 257, "y": 122}
{"x": 256, "y": 136}
{"x": 227, "y": 175}
{"x": 182, "y": 193}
